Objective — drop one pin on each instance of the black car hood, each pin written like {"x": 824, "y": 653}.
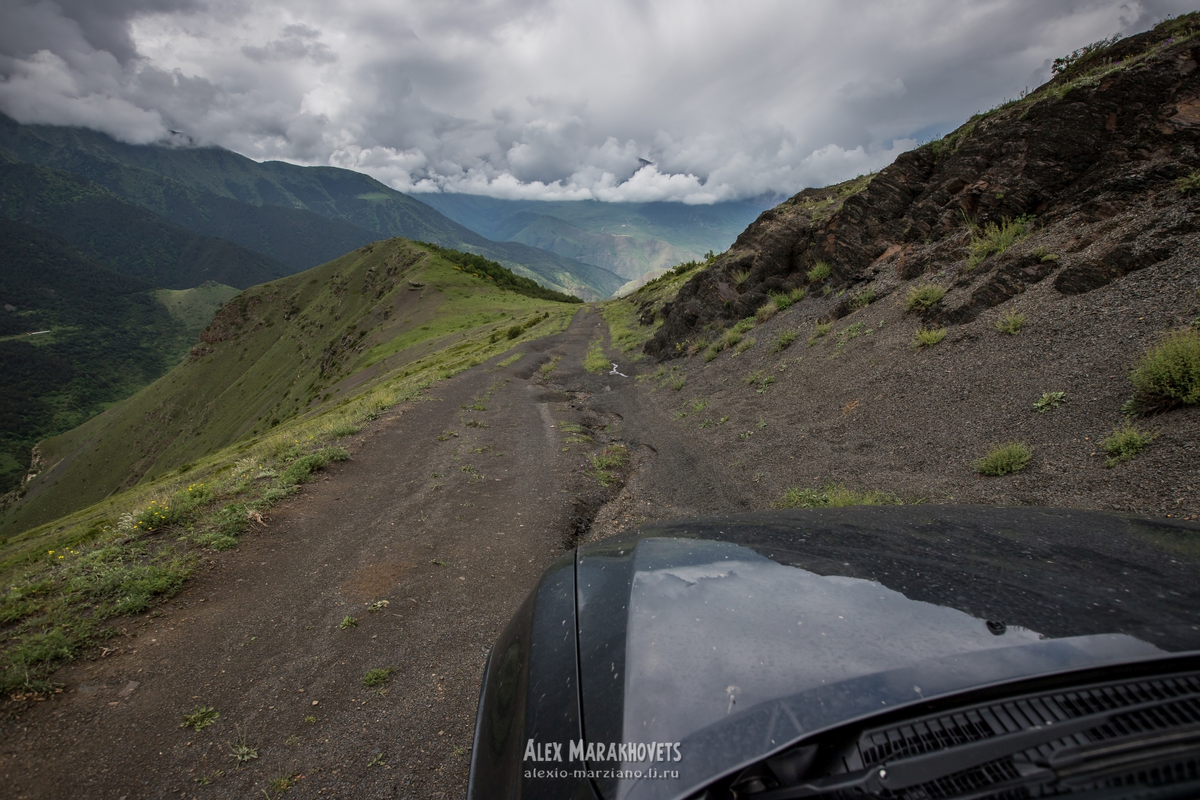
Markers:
{"x": 735, "y": 636}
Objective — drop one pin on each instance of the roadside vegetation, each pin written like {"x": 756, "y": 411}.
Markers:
{"x": 1168, "y": 375}
{"x": 835, "y": 496}
{"x": 68, "y": 586}
{"x": 1004, "y": 459}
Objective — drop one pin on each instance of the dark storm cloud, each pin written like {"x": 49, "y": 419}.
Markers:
{"x": 547, "y": 98}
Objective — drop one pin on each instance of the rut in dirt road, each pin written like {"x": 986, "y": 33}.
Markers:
{"x": 410, "y": 557}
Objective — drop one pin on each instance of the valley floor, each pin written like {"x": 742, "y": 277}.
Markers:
{"x": 429, "y": 537}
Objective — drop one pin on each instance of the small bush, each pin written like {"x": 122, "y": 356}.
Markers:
{"x": 781, "y": 300}
{"x": 1125, "y": 443}
{"x": 348, "y": 622}
{"x": 1169, "y": 373}
{"x": 342, "y": 431}
{"x": 1048, "y": 401}
{"x": 819, "y": 272}
{"x": 863, "y": 298}
{"x": 1188, "y": 183}
{"x": 1011, "y": 323}
{"x": 744, "y": 345}
{"x": 923, "y": 298}
{"x": 740, "y": 277}
{"x": 834, "y": 496}
{"x": 1004, "y": 459}
{"x": 928, "y": 337}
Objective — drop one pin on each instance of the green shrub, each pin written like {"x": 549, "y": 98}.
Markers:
{"x": 1189, "y": 183}
{"x": 1004, "y": 459}
{"x": 834, "y": 496}
{"x": 928, "y": 337}
{"x": 377, "y": 677}
{"x": 744, "y": 345}
{"x": 1125, "y": 443}
{"x": 923, "y": 298}
{"x": 863, "y": 298}
{"x": 740, "y": 277}
{"x": 819, "y": 272}
{"x": 1011, "y": 323}
{"x": 797, "y": 294}
{"x": 782, "y": 300}
{"x": 993, "y": 238}
{"x": 1169, "y": 373}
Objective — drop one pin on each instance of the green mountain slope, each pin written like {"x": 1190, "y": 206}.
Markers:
{"x": 293, "y": 347}
{"x": 631, "y": 239}
{"x": 194, "y": 308}
{"x": 124, "y": 237}
{"x": 301, "y": 216}
{"x": 107, "y": 336}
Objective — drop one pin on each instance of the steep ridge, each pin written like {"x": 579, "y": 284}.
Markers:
{"x": 1089, "y": 178}
{"x": 302, "y": 216}
{"x": 294, "y": 346}
{"x": 124, "y": 237}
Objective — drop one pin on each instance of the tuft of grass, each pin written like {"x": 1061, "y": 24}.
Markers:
{"x": 200, "y": 718}
{"x": 1169, "y": 373}
{"x": 1048, "y": 401}
{"x": 766, "y": 311}
{"x": 782, "y": 300}
{"x": 1011, "y": 323}
{"x": 923, "y": 298}
{"x": 822, "y": 329}
{"x": 301, "y": 470}
{"x": 606, "y": 465}
{"x": 819, "y": 272}
{"x": 242, "y": 751}
{"x": 740, "y": 277}
{"x": 342, "y": 431}
{"x": 783, "y": 341}
{"x": 1004, "y": 459}
{"x": 377, "y": 677}
{"x": 993, "y": 239}
{"x": 863, "y": 298}
{"x": 549, "y": 366}
{"x": 510, "y": 360}
{"x": 596, "y": 361}
{"x": 744, "y": 345}
{"x": 348, "y": 622}
{"x": 1125, "y": 443}
{"x": 928, "y": 337}
{"x": 834, "y": 496}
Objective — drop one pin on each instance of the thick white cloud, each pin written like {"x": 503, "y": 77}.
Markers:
{"x": 551, "y": 99}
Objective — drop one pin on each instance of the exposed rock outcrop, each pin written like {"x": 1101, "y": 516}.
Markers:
{"x": 1096, "y": 164}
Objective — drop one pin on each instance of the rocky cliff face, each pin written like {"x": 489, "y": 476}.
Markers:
{"x": 1091, "y": 176}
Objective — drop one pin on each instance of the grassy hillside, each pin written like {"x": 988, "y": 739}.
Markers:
{"x": 631, "y": 239}
{"x": 195, "y": 308}
{"x": 301, "y": 216}
{"x": 286, "y": 349}
{"x": 124, "y": 237}
{"x": 106, "y": 336}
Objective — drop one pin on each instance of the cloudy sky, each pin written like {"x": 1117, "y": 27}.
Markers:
{"x": 551, "y": 99}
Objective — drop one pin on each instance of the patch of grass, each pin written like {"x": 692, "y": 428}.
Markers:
{"x": 1011, "y": 323}
{"x": 834, "y": 496}
{"x": 760, "y": 380}
{"x": 549, "y": 366}
{"x": 744, "y": 345}
{"x": 783, "y": 341}
{"x": 301, "y": 470}
{"x": 510, "y": 360}
{"x": 819, "y": 272}
{"x": 740, "y": 277}
{"x": 1004, "y": 459}
{"x": 766, "y": 311}
{"x": 1125, "y": 443}
{"x": 923, "y": 298}
{"x": 928, "y": 337}
{"x": 782, "y": 300}
{"x": 1168, "y": 375}
{"x": 677, "y": 382}
{"x": 342, "y": 431}
{"x": 377, "y": 677}
{"x": 310, "y": 719}
{"x": 606, "y": 465}
{"x": 348, "y": 622}
{"x": 863, "y": 298}
{"x": 996, "y": 238}
{"x": 1048, "y": 401}
{"x": 821, "y": 330}
{"x": 200, "y": 718}
{"x": 437, "y": 562}
{"x": 596, "y": 361}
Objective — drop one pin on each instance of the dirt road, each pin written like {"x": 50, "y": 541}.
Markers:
{"x": 429, "y": 538}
